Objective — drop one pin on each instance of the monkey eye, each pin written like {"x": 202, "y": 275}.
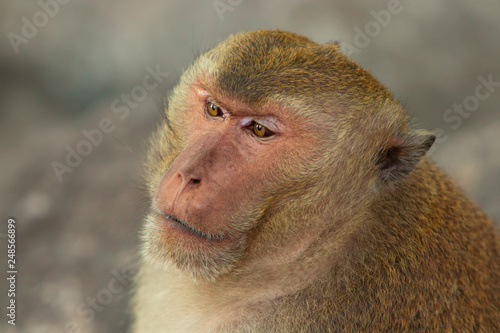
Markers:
{"x": 260, "y": 130}
{"x": 213, "y": 110}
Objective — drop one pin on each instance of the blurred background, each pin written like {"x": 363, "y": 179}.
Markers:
{"x": 81, "y": 84}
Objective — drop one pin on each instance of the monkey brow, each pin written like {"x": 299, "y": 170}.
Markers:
{"x": 243, "y": 109}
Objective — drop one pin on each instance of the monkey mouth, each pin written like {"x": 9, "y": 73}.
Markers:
{"x": 189, "y": 228}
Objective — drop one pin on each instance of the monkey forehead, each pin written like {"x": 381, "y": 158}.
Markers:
{"x": 259, "y": 65}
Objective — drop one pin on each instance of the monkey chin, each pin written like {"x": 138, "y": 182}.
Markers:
{"x": 169, "y": 243}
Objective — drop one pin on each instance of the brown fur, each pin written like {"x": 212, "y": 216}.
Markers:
{"x": 340, "y": 223}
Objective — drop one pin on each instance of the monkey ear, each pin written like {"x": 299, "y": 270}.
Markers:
{"x": 403, "y": 154}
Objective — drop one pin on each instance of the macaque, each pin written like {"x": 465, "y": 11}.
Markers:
{"x": 289, "y": 194}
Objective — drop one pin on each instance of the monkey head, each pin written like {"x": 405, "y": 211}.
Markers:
{"x": 270, "y": 141}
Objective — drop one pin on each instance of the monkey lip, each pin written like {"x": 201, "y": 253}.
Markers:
{"x": 187, "y": 227}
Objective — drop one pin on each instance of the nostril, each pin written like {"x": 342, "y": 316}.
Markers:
{"x": 194, "y": 181}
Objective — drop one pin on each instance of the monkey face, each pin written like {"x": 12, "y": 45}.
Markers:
{"x": 233, "y": 161}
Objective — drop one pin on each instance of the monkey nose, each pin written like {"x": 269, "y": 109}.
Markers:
{"x": 175, "y": 189}
{"x": 188, "y": 183}
{"x": 190, "y": 177}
